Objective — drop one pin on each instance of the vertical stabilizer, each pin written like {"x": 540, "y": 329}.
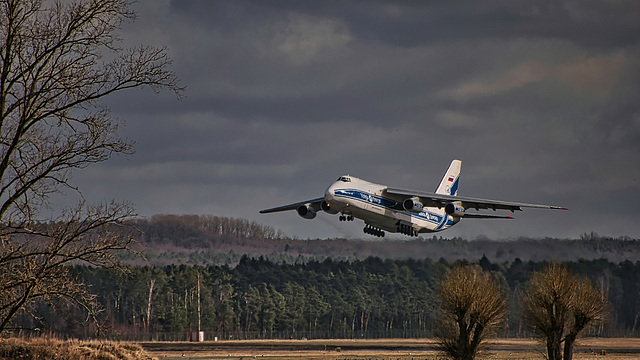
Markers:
{"x": 451, "y": 179}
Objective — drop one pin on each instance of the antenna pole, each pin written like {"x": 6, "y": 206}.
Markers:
{"x": 198, "y": 305}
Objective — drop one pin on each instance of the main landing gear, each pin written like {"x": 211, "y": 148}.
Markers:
{"x": 407, "y": 230}
{"x": 346, "y": 217}
{"x": 372, "y": 230}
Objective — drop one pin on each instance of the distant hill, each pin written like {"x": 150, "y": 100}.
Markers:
{"x": 213, "y": 240}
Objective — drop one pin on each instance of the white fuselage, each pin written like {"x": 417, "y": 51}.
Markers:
{"x": 404, "y": 211}
{"x": 370, "y": 202}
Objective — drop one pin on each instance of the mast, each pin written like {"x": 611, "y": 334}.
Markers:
{"x": 198, "y": 305}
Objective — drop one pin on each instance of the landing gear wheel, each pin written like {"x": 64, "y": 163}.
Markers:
{"x": 407, "y": 230}
{"x": 346, "y": 217}
{"x": 372, "y": 230}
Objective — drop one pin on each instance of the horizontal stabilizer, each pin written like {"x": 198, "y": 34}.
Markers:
{"x": 483, "y": 216}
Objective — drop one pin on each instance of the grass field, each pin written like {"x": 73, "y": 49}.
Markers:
{"x": 383, "y": 349}
{"x": 54, "y": 349}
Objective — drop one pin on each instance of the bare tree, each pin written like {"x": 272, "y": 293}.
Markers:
{"x": 558, "y": 306}
{"x": 589, "y": 307}
{"x": 57, "y": 60}
{"x": 473, "y": 306}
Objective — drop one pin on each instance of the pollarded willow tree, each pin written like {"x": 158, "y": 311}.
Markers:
{"x": 473, "y": 306}
{"x": 58, "y": 59}
{"x": 557, "y": 306}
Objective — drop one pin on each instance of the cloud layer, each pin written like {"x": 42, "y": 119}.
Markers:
{"x": 539, "y": 100}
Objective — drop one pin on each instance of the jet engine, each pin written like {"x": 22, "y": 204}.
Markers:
{"x": 454, "y": 209}
{"x": 326, "y": 208}
{"x": 413, "y": 204}
{"x": 306, "y": 211}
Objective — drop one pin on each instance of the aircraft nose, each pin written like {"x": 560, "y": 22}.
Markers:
{"x": 330, "y": 192}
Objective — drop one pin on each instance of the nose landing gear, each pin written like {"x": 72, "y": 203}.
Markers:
{"x": 346, "y": 217}
{"x": 372, "y": 230}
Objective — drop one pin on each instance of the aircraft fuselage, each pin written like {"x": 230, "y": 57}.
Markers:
{"x": 408, "y": 212}
{"x": 370, "y": 202}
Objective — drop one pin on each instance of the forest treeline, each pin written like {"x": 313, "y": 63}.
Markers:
{"x": 258, "y": 298}
{"x": 258, "y": 283}
{"x": 214, "y": 240}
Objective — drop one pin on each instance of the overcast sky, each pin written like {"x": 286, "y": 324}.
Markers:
{"x": 539, "y": 99}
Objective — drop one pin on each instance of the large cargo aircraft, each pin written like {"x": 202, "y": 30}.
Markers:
{"x": 408, "y": 212}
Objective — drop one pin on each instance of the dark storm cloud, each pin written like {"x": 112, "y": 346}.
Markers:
{"x": 591, "y": 23}
{"x": 538, "y": 98}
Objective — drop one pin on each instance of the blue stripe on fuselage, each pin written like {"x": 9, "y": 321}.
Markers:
{"x": 447, "y": 220}
{"x": 388, "y": 204}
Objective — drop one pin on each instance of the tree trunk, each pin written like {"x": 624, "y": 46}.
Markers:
{"x": 463, "y": 338}
{"x": 569, "y": 341}
{"x": 553, "y": 348}
{"x": 153, "y": 282}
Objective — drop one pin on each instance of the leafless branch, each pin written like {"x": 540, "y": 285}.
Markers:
{"x": 58, "y": 59}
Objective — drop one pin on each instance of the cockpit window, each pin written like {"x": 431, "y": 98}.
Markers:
{"x": 344, "y": 179}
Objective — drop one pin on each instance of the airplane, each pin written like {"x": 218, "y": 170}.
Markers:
{"x": 395, "y": 210}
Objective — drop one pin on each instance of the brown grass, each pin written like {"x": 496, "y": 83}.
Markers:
{"x": 52, "y": 349}
{"x": 383, "y": 349}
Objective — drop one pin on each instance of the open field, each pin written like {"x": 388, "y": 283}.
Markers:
{"x": 54, "y": 349}
{"x": 381, "y": 349}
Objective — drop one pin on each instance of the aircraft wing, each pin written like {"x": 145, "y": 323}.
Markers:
{"x": 315, "y": 203}
{"x": 440, "y": 200}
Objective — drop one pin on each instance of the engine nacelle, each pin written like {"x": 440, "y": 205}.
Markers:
{"x": 306, "y": 211}
{"x": 413, "y": 204}
{"x": 324, "y": 205}
{"x": 454, "y": 209}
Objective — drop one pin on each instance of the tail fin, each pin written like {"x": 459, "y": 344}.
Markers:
{"x": 451, "y": 179}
